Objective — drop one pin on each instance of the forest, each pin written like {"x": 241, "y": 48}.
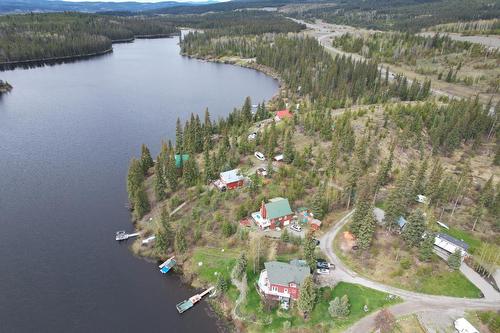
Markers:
{"x": 40, "y": 36}
{"x": 401, "y": 15}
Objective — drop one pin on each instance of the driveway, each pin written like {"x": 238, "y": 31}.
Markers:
{"x": 413, "y": 301}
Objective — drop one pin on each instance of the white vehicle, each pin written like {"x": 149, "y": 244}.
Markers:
{"x": 252, "y": 136}
{"x": 462, "y": 325}
{"x": 259, "y": 156}
{"x": 262, "y": 172}
{"x": 296, "y": 227}
{"x": 323, "y": 271}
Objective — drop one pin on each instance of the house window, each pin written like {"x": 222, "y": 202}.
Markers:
{"x": 285, "y": 291}
{"x": 273, "y": 288}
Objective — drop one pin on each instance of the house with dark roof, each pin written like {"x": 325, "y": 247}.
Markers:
{"x": 281, "y": 280}
{"x": 445, "y": 245}
{"x": 276, "y": 213}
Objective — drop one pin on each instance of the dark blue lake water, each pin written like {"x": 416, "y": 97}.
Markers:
{"x": 67, "y": 133}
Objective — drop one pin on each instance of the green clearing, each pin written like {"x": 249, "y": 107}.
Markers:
{"x": 278, "y": 320}
{"x": 448, "y": 283}
{"x": 473, "y": 242}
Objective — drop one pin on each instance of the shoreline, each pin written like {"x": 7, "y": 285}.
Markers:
{"x": 31, "y": 63}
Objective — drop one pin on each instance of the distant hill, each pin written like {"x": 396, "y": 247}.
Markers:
{"x": 26, "y": 6}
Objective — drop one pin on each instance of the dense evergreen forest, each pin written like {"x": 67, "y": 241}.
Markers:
{"x": 401, "y": 15}
{"x": 308, "y": 69}
{"x": 42, "y": 36}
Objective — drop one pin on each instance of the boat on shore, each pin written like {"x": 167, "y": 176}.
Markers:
{"x": 167, "y": 265}
{"x": 122, "y": 235}
{"x": 189, "y": 303}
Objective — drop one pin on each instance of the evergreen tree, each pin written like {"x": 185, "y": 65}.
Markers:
{"x": 366, "y": 230}
{"x": 419, "y": 185}
{"x": 146, "y": 160}
{"x": 289, "y": 150}
{"x": 334, "y": 153}
{"x": 339, "y": 307}
{"x": 307, "y": 296}
{"x": 135, "y": 178}
{"x": 222, "y": 285}
{"x": 180, "y": 243}
{"x": 141, "y": 202}
{"x": 455, "y": 260}
{"x": 434, "y": 183}
{"x": 159, "y": 183}
{"x": 487, "y": 195}
{"x": 426, "y": 247}
{"x": 179, "y": 139}
{"x": 363, "y": 207}
{"x": 208, "y": 173}
{"x": 309, "y": 245}
{"x": 191, "y": 172}
{"x": 171, "y": 172}
{"x": 240, "y": 267}
{"x": 414, "y": 228}
{"x": 317, "y": 205}
{"x": 385, "y": 169}
{"x": 246, "y": 110}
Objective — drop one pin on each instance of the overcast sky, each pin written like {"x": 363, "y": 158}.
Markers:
{"x": 134, "y": 0}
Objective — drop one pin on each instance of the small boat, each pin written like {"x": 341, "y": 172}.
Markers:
{"x": 167, "y": 265}
{"x": 189, "y": 303}
{"x": 122, "y": 235}
{"x": 184, "y": 306}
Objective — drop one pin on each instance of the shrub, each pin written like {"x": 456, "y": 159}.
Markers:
{"x": 405, "y": 263}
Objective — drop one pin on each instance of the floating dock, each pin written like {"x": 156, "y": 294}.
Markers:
{"x": 167, "y": 265}
{"x": 122, "y": 235}
{"x": 189, "y": 303}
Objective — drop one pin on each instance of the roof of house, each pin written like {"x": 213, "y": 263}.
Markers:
{"x": 453, "y": 240}
{"x": 283, "y": 273}
{"x": 231, "y": 176}
{"x": 179, "y": 159}
{"x": 278, "y": 208}
{"x": 283, "y": 114}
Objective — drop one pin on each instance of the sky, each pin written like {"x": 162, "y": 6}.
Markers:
{"x": 146, "y": 1}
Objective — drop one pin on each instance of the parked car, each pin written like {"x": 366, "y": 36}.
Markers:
{"x": 260, "y": 156}
{"x": 323, "y": 271}
{"x": 252, "y": 136}
{"x": 262, "y": 172}
{"x": 316, "y": 241}
{"x": 322, "y": 264}
{"x": 296, "y": 227}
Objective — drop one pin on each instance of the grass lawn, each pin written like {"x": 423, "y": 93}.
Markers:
{"x": 449, "y": 283}
{"x": 466, "y": 236}
{"x": 278, "y": 320}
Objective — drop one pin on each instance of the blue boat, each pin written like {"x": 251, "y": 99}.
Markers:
{"x": 167, "y": 265}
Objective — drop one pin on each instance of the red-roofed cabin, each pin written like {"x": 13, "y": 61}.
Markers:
{"x": 283, "y": 114}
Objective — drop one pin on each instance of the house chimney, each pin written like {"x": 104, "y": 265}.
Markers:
{"x": 263, "y": 211}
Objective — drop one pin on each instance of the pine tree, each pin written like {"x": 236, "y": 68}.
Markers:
{"x": 222, "y": 285}
{"x": 363, "y": 208}
{"x": 180, "y": 243}
{"x": 309, "y": 245}
{"x": 178, "y": 137}
{"x": 288, "y": 151}
{"x": 191, "y": 172}
{"x": 455, "y": 259}
{"x": 171, "y": 172}
{"x": 487, "y": 195}
{"x": 135, "y": 178}
{"x": 339, "y": 307}
{"x": 434, "y": 184}
{"x": 426, "y": 247}
{"x": 385, "y": 169}
{"x": 307, "y": 296}
{"x": 208, "y": 171}
{"x": 334, "y": 153}
{"x": 414, "y": 228}
{"x": 146, "y": 160}
{"x": 366, "y": 230}
{"x": 419, "y": 185}
{"x": 317, "y": 205}
{"x": 159, "y": 183}
{"x": 246, "y": 110}
{"x": 141, "y": 202}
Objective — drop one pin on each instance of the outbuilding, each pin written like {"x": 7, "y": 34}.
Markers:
{"x": 229, "y": 180}
{"x": 445, "y": 245}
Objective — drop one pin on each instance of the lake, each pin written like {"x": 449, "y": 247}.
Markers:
{"x": 67, "y": 134}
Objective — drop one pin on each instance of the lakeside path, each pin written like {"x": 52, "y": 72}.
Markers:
{"x": 412, "y": 301}
{"x": 325, "y": 32}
